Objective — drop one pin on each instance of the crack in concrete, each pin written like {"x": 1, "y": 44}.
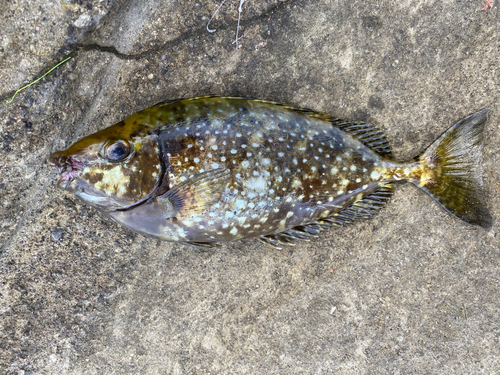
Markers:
{"x": 74, "y": 50}
{"x": 181, "y": 38}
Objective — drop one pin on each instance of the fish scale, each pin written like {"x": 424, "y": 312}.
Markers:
{"x": 210, "y": 169}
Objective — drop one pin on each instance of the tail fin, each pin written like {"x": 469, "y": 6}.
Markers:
{"x": 453, "y": 169}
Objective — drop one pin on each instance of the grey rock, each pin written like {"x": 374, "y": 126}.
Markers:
{"x": 411, "y": 291}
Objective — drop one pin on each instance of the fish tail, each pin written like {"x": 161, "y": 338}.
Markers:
{"x": 452, "y": 170}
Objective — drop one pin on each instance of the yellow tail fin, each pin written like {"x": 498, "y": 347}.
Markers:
{"x": 453, "y": 161}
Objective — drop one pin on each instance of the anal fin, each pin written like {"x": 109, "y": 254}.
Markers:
{"x": 365, "y": 208}
{"x": 362, "y": 209}
{"x": 278, "y": 239}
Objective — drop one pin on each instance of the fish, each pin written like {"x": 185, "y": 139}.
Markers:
{"x": 207, "y": 170}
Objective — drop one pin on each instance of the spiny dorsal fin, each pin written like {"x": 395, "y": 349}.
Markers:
{"x": 198, "y": 193}
{"x": 367, "y": 134}
{"x": 362, "y": 209}
{"x": 364, "y": 132}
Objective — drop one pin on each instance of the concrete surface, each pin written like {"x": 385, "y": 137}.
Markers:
{"x": 412, "y": 291}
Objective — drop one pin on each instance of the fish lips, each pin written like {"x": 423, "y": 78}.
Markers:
{"x": 68, "y": 168}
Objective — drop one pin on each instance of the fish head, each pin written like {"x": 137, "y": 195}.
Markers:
{"x": 115, "y": 168}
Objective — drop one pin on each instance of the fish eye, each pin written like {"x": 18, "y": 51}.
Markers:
{"x": 117, "y": 151}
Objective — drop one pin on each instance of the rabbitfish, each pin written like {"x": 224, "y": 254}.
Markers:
{"x": 211, "y": 169}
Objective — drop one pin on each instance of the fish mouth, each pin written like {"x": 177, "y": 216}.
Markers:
{"x": 68, "y": 168}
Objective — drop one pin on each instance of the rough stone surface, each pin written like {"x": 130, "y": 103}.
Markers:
{"x": 413, "y": 290}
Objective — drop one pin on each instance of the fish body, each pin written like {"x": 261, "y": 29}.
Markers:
{"x": 210, "y": 169}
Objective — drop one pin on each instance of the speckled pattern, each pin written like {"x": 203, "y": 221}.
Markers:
{"x": 210, "y": 169}
{"x": 286, "y": 168}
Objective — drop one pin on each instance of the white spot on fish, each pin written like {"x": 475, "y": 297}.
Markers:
{"x": 240, "y": 204}
{"x": 258, "y": 183}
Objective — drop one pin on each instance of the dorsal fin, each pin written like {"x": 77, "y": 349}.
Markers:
{"x": 367, "y": 134}
{"x": 364, "y": 132}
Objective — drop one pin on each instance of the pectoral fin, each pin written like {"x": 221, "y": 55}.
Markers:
{"x": 196, "y": 194}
